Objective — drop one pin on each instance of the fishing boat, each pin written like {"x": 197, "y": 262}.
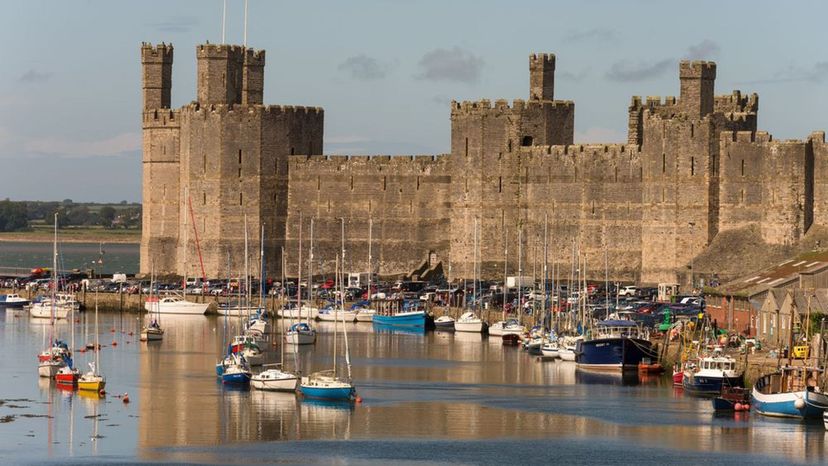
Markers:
{"x": 550, "y": 349}
{"x": 444, "y": 323}
{"x": 12, "y": 300}
{"x": 790, "y": 392}
{"x": 469, "y": 322}
{"x": 399, "y": 313}
{"x": 53, "y": 358}
{"x": 506, "y": 327}
{"x": 614, "y": 345}
{"x": 237, "y": 372}
{"x": 274, "y": 379}
{"x": 329, "y": 385}
{"x": 711, "y": 374}
{"x": 67, "y": 375}
{"x": 678, "y": 375}
{"x": 93, "y": 380}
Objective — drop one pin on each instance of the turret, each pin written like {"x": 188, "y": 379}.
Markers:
{"x": 697, "y": 79}
{"x": 253, "y": 77}
{"x": 542, "y": 76}
{"x": 156, "y": 75}
{"x": 219, "y": 74}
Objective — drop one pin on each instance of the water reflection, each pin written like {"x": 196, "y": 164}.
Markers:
{"x": 415, "y": 386}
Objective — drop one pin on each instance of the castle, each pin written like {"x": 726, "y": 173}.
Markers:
{"x": 692, "y": 167}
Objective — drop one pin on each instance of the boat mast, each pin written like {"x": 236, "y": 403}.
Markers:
{"x": 186, "y": 245}
{"x": 335, "y": 310}
{"x": 505, "y": 269}
{"x": 520, "y": 275}
{"x": 545, "y": 272}
{"x": 345, "y": 330}
{"x": 474, "y": 256}
{"x": 262, "y": 303}
{"x": 606, "y": 278}
{"x": 246, "y": 275}
{"x": 97, "y": 342}
{"x": 370, "y": 264}
{"x": 310, "y": 275}
{"x": 54, "y": 284}
{"x": 282, "y": 320}
{"x": 299, "y": 277}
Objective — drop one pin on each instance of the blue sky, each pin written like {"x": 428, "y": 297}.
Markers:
{"x": 383, "y": 70}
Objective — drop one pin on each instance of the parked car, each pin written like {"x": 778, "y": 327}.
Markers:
{"x": 629, "y": 290}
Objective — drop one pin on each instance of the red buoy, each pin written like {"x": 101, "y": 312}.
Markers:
{"x": 114, "y": 343}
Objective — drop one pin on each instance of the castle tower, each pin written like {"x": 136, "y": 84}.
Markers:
{"x": 697, "y": 79}
{"x": 219, "y": 74}
{"x": 542, "y": 76}
{"x": 253, "y": 77}
{"x": 156, "y": 75}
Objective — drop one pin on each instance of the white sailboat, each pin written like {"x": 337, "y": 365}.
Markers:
{"x": 55, "y": 356}
{"x": 470, "y": 321}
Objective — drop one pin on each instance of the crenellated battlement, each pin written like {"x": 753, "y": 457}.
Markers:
{"x": 697, "y": 69}
{"x": 542, "y": 59}
{"x": 161, "y": 53}
{"x": 254, "y": 57}
{"x": 224, "y": 51}
{"x": 736, "y": 103}
{"x": 334, "y": 159}
{"x": 580, "y": 149}
{"x": 502, "y": 105}
{"x": 161, "y": 116}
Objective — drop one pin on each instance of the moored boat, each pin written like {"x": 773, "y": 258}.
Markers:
{"x": 237, "y": 372}
{"x": 444, "y": 323}
{"x": 614, "y": 345}
{"x": 331, "y": 314}
{"x": 732, "y": 399}
{"x": 469, "y": 322}
{"x": 174, "y": 305}
{"x": 790, "y": 392}
{"x": 326, "y": 386}
{"x": 711, "y": 374}
{"x": 12, "y": 300}
{"x": 274, "y": 379}
{"x": 506, "y": 327}
{"x": 300, "y": 333}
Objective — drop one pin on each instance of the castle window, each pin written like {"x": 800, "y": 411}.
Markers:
{"x": 239, "y": 172}
{"x": 204, "y": 162}
{"x": 352, "y": 182}
{"x": 743, "y": 167}
{"x": 743, "y": 196}
{"x": 240, "y": 156}
{"x": 384, "y": 182}
{"x": 593, "y": 207}
{"x": 418, "y": 183}
{"x": 318, "y": 183}
{"x": 692, "y": 166}
{"x": 526, "y": 141}
{"x": 203, "y": 198}
{"x": 692, "y": 130}
{"x": 467, "y": 147}
{"x": 510, "y": 146}
{"x": 616, "y": 174}
{"x": 241, "y": 198}
{"x": 291, "y": 151}
{"x": 500, "y": 184}
{"x": 663, "y": 163}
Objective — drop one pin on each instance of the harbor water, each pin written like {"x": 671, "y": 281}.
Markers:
{"x": 102, "y": 257}
{"x": 427, "y": 398}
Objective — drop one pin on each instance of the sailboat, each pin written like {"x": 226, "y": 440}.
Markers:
{"x": 153, "y": 330}
{"x": 244, "y": 344}
{"x": 93, "y": 380}
{"x": 274, "y": 377}
{"x": 301, "y": 333}
{"x": 364, "y": 311}
{"x": 52, "y": 359}
{"x": 470, "y": 321}
{"x": 257, "y": 323}
{"x": 328, "y": 385}
{"x": 67, "y": 375}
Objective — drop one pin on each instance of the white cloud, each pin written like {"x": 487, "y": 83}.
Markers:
{"x": 453, "y": 64}
{"x": 125, "y": 142}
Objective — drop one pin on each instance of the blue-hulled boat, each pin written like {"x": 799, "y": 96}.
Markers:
{"x": 614, "y": 345}
{"x": 712, "y": 374}
{"x": 237, "y": 372}
{"x": 399, "y": 313}
{"x": 327, "y": 386}
{"x": 790, "y": 392}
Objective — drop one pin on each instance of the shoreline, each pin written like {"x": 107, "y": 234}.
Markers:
{"x": 67, "y": 236}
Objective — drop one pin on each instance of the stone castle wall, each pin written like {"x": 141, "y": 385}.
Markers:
{"x": 693, "y": 166}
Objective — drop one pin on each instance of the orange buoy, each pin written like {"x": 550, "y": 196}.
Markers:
{"x": 126, "y": 398}
{"x": 102, "y": 392}
{"x": 114, "y": 343}
{"x": 130, "y": 333}
{"x": 358, "y": 399}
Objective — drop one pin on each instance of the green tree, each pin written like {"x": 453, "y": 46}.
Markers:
{"x": 13, "y": 216}
{"x": 106, "y": 216}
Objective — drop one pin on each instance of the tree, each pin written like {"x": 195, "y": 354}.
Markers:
{"x": 106, "y": 216}
{"x": 13, "y": 216}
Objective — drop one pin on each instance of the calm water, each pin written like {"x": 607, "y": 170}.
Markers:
{"x": 428, "y": 399}
{"x": 116, "y": 257}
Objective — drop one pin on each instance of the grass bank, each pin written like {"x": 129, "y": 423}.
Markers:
{"x": 45, "y": 234}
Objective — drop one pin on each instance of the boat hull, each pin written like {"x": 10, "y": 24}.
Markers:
{"x": 405, "y": 319}
{"x": 328, "y": 393}
{"x": 94, "y": 384}
{"x": 300, "y": 338}
{"x": 45, "y": 312}
{"x": 612, "y": 354}
{"x": 339, "y": 316}
{"x": 566, "y": 354}
{"x": 48, "y": 369}
{"x": 801, "y": 404}
{"x": 274, "y": 385}
{"x": 498, "y": 330}
{"x": 363, "y": 316}
{"x": 188, "y": 308}
{"x": 236, "y": 378}
{"x": 475, "y": 326}
{"x": 707, "y": 385}
{"x": 152, "y": 335}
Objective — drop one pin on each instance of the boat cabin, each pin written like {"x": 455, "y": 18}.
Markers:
{"x": 618, "y": 329}
{"x": 790, "y": 379}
